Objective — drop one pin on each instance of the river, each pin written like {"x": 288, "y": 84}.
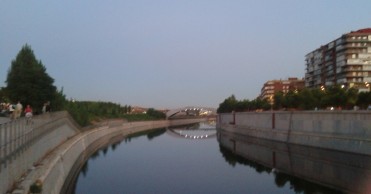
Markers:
{"x": 197, "y": 159}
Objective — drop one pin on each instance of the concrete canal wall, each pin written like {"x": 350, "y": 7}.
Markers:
{"x": 22, "y": 144}
{"x": 348, "y": 131}
{"x": 344, "y": 171}
{"x": 55, "y": 167}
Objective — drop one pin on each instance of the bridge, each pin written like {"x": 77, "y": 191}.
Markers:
{"x": 191, "y": 111}
{"x": 46, "y": 150}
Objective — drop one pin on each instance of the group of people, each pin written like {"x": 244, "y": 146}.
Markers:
{"x": 15, "y": 110}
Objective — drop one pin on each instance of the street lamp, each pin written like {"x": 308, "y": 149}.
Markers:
{"x": 323, "y": 88}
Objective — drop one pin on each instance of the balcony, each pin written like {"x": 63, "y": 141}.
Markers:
{"x": 354, "y": 61}
{"x": 353, "y": 75}
{"x": 356, "y": 39}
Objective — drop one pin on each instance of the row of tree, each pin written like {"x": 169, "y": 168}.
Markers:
{"x": 85, "y": 112}
{"x": 305, "y": 99}
{"x": 28, "y": 82}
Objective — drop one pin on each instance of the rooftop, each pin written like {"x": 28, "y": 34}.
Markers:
{"x": 365, "y": 30}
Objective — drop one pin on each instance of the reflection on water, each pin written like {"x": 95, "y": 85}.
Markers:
{"x": 103, "y": 151}
{"x": 342, "y": 171}
{"x": 196, "y": 132}
{"x": 164, "y": 161}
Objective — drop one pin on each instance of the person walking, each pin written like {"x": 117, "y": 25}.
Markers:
{"x": 18, "y": 110}
{"x": 28, "y": 114}
{"x": 11, "y": 111}
{"x": 47, "y": 107}
{"x": 43, "y": 110}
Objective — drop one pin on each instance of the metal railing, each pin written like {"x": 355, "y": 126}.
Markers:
{"x": 16, "y": 135}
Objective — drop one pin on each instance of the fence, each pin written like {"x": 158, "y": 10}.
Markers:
{"x": 19, "y": 133}
{"x": 18, "y": 137}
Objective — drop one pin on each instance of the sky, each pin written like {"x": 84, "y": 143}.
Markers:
{"x": 172, "y": 53}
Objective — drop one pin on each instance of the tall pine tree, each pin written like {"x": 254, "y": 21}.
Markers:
{"x": 28, "y": 82}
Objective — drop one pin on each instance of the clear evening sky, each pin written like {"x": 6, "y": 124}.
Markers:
{"x": 172, "y": 53}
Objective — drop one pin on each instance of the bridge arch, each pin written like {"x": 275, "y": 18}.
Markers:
{"x": 190, "y": 111}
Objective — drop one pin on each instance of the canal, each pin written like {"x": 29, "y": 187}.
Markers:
{"x": 197, "y": 159}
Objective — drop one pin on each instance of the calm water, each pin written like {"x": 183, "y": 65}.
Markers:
{"x": 180, "y": 161}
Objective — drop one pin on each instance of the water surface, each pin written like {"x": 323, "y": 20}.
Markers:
{"x": 182, "y": 160}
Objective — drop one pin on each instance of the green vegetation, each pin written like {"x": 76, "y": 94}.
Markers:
{"x": 85, "y": 112}
{"x": 232, "y": 104}
{"x": 306, "y": 99}
{"x": 28, "y": 82}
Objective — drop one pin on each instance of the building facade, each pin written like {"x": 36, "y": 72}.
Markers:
{"x": 346, "y": 61}
{"x": 273, "y": 86}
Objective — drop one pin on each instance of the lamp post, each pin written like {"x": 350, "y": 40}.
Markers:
{"x": 323, "y": 88}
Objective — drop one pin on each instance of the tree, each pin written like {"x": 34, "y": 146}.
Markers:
{"x": 59, "y": 100}
{"x": 351, "y": 97}
{"x": 307, "y": 100}
{"x": 228, "y": 105}
{"x": 155, "y": 114}
{"x": 318, "y": 96}
{"x": 278, "y": 100}
{"x": 28, "y": 82}
{"x": 364, "y": 99}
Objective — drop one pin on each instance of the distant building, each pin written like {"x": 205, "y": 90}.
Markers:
{"x": 346, "y": 61}
{"x": 273, "y": 86}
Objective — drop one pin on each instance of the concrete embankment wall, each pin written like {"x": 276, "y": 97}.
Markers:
{"x": 24, "y": 143}
{"x": 339, "y": 170}
{"x": 348, "y": 131}
{"x": 55, "y": 168}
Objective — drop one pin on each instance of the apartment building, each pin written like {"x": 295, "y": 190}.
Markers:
{"x": 271, "y": 87}
{"x": 346, "y": 61}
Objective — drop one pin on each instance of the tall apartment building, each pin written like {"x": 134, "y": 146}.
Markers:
{"x": 271, "y": 87}
{"x": 345, "y": 61}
